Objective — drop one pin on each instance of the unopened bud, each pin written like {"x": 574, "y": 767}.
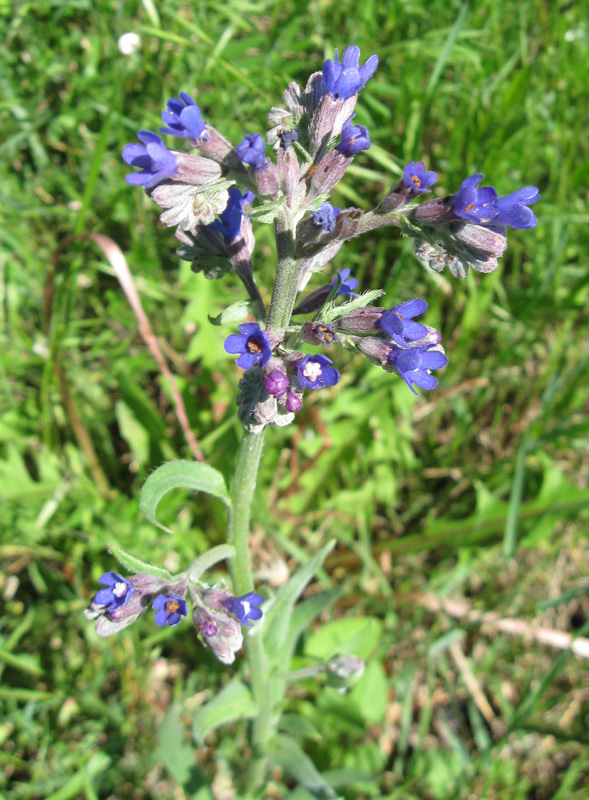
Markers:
{"x": 361, "y": 319}
{"x": 344, "y": 671}
{"x": 434, "y": 212}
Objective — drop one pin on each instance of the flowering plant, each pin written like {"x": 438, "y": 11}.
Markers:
{"x": 212, "y": 199}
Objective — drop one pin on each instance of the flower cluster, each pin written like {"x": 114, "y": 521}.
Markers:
{"x": 287, "y": 179}
{"x": 217, "y": 614}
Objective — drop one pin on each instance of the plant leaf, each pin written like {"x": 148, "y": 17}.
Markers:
{"x": 180, "y": 475}
{"x": 287, "y": 755}
{"x": 334, "y": 312}
{"x": 136, "y": 565}
{"x": 279, "y": 613}
{"x": 235, "y": 313}
{"x": 234, "y": 702}
{"x": 180, "y": 758}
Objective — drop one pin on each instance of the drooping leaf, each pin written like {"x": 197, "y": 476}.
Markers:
{"x": 180, "y": 475}
{"x": 136, "y": 565}
{"x": 233, "y": 703}
{"x": 287, "y": 755}
{"x": 203, "y": 563}
{"x": 278, "y": 615}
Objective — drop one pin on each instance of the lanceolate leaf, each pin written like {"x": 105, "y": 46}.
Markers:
{"x": 279, "y": 614}
{"x": 235, "y": 313}
{"x": 234, "y": 702}
{"x": 287, "y": 755}
{"x": 136, "y": 565}
{"x": 180, "y": 475}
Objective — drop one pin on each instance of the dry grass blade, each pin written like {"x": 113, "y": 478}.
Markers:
{"x": 121, "y": 269}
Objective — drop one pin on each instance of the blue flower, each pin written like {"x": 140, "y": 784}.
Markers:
{"x": 512, "y": 209}
{"x": 417, "y": 179}
{"x": 347, "y": 284}
{"x": 354, "y": 139}
{"x": 344, "y": 80}
{"x": 183, "y": 118}
{"x": 245, "y": 608}
{"x": 325, "y": 216}
{"x": 118, "y": 592}
{"x": 314, "y": 372}
{"x": 153, "y": 157}
{"x": 288, "y": 137}
{"x": 169, "y": 608}
{"x": 252, "y": 151}
{"x": 253, "y": 344}
{"x": 229, "y": 222}
{"x": 398, "y": 321}
{"x": 484, "y": 206}
{"x": 413, "y": 365}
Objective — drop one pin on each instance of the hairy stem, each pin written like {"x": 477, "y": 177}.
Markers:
{"x": 244, "y": 484}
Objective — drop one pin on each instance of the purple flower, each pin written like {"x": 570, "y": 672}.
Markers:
{"x": 252, "y": 151}
{"x": 314, "y": 372}
{"x": 169, "y": 608}
{"x": 484, "y": 206}
{"x": 253, "y": 344}
{"x": 414, "y": 363}
{"x": 347, "y": 284}
{"x": 345, "y": 79}
{"x": 325, "y": 216}
{"x": 276, "y": 383}
{"x": 512, "y": 209}
{"x": 229, "y": 222}
{"x": 354, "y": 138}
{"x": 153, "y": 157}
{"x": 398, "y": 321}
{"x": 245, "y": 608}
{"x": 183, "y": 118}
{"x": 118, "y": 592}
{"x": 288, "y": 137}
{"x": 417, "y": 179}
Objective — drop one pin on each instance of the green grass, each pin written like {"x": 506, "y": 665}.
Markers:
{"x": 479, "y": 491}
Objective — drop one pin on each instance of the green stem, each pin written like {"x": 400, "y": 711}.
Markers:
{"x": 244, "y": 484}
{"x": 286, "y": 283}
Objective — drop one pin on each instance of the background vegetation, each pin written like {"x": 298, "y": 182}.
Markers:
{"x": 476, "y": 493}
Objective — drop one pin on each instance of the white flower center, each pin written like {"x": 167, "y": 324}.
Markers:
{"x": 246, "y": 607}
{"x": 312, "y": 370}
{"x": 119, "y": 589}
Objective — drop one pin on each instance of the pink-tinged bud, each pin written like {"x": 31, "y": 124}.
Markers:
{"x": 434, "y": 212}
{"x": 328, "y": 121}
{"x": 205, "y": 622}
{"x": 487, "y": 241}
{"x": 195, "y": 169}
{"x": 396, "y": 198}
{"x": 287, "y": 166}
{"x": 327, "y": 173}
{"x": 376, "y": 350}
{"x": 362, "y": 319}
{"x": 267, "y": 180}
{"x": 218, "y": 148}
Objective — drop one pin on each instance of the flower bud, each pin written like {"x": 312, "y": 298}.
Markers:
{"x": 327, "y": 173}
{"x": 218, "y": 148}
{"x": 293, "y": 400}
{"x": 344, "y": 671}
{"x": 361, "y": 319}
{"x": 434, "y": 212}
{"x": 276, "y": 383}
{"x": 227, "y": 639}
{"x": 267, "y": 180}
